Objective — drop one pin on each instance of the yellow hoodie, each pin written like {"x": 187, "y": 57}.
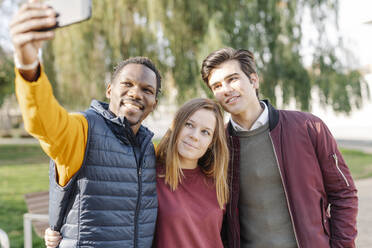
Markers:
{"x": 62, "y": 135}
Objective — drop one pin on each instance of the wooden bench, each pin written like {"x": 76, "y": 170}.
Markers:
{"x": 37, "y": 215}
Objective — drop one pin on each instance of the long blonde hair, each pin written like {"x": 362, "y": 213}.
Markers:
{"x": 213, "y": 163}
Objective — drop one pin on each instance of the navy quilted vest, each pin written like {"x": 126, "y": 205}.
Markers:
{"x": 111, "y": 201}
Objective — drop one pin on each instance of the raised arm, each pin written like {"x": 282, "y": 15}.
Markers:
{"x": 62, "y": 135}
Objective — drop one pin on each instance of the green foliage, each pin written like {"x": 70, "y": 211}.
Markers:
{"x": 6, "y": 75}
{"x": 85, "y": 54}
{"x": 342, "y": 90}
{"x": 178, "y": 34}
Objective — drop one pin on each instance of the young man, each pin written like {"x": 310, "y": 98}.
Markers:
{"x": 290, "y": 186}
{"x": 103, "y": 190}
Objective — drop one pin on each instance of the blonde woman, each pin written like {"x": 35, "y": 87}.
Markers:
{"x": 191, "y": 182}
{"x": 192, "y": 161}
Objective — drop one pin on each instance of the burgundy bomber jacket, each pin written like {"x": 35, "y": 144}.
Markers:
{"x": 320, "y": 192}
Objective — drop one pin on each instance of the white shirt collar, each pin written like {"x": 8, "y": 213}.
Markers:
{"x": 261, "y": 120}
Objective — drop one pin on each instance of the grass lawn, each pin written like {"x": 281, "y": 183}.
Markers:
{"x": 360, "y": 163}
{"x": 24, "y": 169}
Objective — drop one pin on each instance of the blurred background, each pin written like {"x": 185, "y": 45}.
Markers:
{"x": 312, "y": 55}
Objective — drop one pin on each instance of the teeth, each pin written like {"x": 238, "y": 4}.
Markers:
{"x": 132, "y": 105}
{"x": 231, "y": 99}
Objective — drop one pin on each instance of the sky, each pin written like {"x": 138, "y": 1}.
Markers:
{"x": 358, "y": 39}
{"x": 4, "y": 23}
{"x": 358, "y": 36}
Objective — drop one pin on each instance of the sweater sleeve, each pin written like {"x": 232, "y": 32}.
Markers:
{"x": 62, "y": 135}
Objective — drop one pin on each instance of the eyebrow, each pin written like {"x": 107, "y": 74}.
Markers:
{"x": 134, "y": 81}
{"x": 227, "y": 77}
{"x": 203, "y": 127}
{"x": 127, "y": 80}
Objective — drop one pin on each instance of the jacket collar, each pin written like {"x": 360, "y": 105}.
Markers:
{"x": 273, "y": 115}
{"x": 273, "y": 118}
{"x": 102, "y": 108}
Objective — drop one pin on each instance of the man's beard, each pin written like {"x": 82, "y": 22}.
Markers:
{"x": 135, "y": 102}
{"x": 134, "y": 123}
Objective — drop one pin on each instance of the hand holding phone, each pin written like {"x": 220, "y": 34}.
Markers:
{"x": 35, "y": 16}
{"x": 26, "y": 38}
{"x": 70, "y": 11}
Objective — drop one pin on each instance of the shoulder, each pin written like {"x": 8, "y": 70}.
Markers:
{"x": 143, "y": 130}
{"x": 88, "y": 113}
{"x": 160, "y": 169}
{"x": 80, "y": 117}
{"x": 298, "y": 120}
{"x": 293, "y": 116}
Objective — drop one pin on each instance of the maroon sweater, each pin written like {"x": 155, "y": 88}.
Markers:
{"x": 189, "y": 216}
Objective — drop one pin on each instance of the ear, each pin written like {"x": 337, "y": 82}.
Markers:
{"x": 254, "y": 80}
{"x": 155, "y": 105}
{"x": 108, "y": 91}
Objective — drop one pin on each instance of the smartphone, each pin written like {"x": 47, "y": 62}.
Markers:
{"x": 70, "y": 11}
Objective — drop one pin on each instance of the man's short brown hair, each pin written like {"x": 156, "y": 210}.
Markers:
{"x": 213, "y": 60}
{"x": 216, "y": 58}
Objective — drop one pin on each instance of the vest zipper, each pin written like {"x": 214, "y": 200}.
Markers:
{"x": 339, "y": 170}
{"x": 139, "y": 177}
{"x": 285, "y": 192}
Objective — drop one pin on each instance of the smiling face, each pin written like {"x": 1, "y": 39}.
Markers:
{"x": 195, "y": 137}
{"x": 132, "y": 94}
{"x": 232, "y": 88}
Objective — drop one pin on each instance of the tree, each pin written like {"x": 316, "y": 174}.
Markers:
{"x": 84, "y": 55}
{"x": 6, "y": 58}
{"x": 178, "y": 34}
{"x": 6, "y": 75}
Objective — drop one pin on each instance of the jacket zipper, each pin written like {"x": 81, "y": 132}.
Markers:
{"x": 339, "y": 170}
{"x": 285, "y": 192}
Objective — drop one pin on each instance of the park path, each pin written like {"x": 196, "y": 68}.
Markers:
{"x": 364, "y": 186}
{"x": 364, "y": 239}
{"x": 17, "y": 141}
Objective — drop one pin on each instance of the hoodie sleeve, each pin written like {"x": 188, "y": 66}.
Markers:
{"x": 62, "y": 136}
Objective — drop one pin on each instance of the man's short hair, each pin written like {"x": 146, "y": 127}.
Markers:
{"x": 142, "y": 61}
{"x": 213, "y": 60}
